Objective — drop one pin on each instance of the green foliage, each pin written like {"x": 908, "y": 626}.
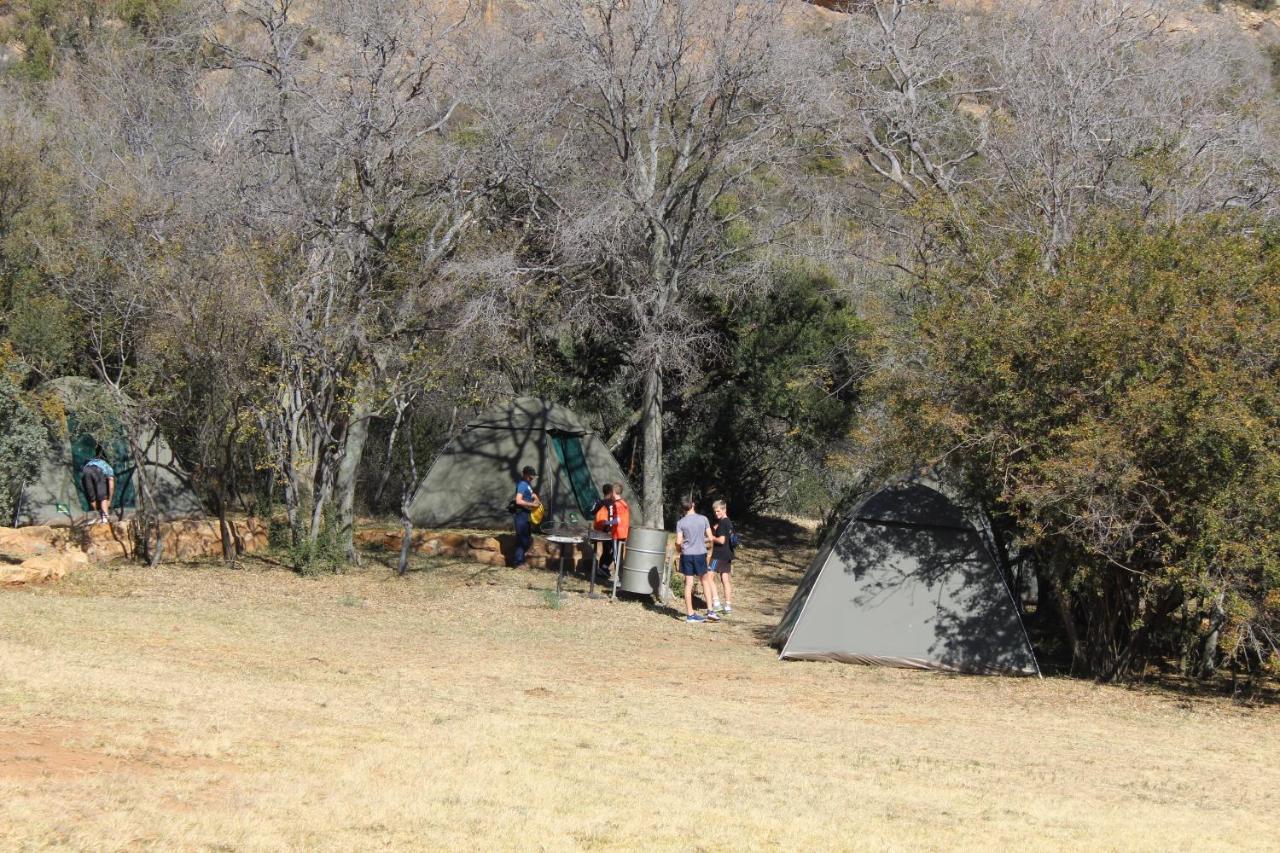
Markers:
{"x": 39, "y": 324}
{"x": 1120, "y": 415}
{"x": 677, "y": 585}
{"x": 782, "y": 391}
{"x": 41, "y": 328}
{"x": 47, "y": 30}
{"x": 325, "y": 553}
{"x": 23, "y": 439}
{"x": 146, "y": 16}
{"x": 43, "y": 29}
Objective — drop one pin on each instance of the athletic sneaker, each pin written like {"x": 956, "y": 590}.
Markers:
{"x": 712, "y": 617}
{"x": 727, "y": 610}
{"x": 694, "y": 617}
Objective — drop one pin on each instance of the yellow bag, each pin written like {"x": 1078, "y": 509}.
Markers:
{"x": 538, "y": 513}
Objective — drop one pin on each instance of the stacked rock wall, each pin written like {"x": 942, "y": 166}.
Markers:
{"x": 184, "y": 540}
{"x": 487, "y": 548}
{"x": 38, "y": 553}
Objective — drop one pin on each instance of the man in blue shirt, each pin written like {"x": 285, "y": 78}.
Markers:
{"x": 99, "y": 481}
{"x": 526, "y": 501}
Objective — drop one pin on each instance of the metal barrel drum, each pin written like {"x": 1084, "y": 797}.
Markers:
{"x": 646, "y": 555}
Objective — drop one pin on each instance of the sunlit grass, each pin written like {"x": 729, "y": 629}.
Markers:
{"x": 456, "y": 708}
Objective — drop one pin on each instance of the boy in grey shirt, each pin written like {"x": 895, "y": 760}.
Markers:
{"x": 693, "y": 533}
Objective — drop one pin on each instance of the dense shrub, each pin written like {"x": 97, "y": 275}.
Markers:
{"x": 1120, "y": 417}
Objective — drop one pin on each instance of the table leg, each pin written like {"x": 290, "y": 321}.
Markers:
{"x": 591, "y": 570}
{"x": 560, "y": 575}
{"x": 619, "y": 553}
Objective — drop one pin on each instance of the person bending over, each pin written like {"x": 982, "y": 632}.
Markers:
{"x": 99, "y": 481}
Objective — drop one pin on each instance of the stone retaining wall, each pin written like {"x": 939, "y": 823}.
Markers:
{"x": 36, "y": 554}
{"x": 184, "y": 540}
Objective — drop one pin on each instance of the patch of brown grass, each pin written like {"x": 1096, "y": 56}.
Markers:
{"x": 198, "y": 708}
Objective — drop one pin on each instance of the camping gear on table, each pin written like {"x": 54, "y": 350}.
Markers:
{"x": 570, "y": 539}
{"x": 907, "y": 581}
{"x": 644, "y": 570}
{"x": 574, "y": 537}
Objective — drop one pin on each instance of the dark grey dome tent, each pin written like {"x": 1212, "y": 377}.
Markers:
{"x": 475, "y": 477}
{"x": 907, "y": 581}
{"x": 55, "y": 494}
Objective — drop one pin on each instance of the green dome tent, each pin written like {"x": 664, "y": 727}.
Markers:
{"x": 475, "y": 477}
{"x": 907, "y": 581}
{"x": 55, "y": 496}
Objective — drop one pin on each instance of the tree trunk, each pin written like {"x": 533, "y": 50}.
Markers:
{"x": 228, "y": 540}
{"x": 651, "y": 426}
{"x": 1209, "y": 649}
{"x": 386, "y": 464}
{"x": 406, "y": 540}
{"x": 345, "y": 484}
{"x": 1062, "y": 605}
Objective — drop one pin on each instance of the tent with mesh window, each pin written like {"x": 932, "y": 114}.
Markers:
{"x": 474, "y": 479}
{"x": 907, "y": 580}
{"x": 85, "y": 416}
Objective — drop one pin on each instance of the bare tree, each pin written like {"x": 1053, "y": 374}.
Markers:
{"x": 662, "y": 124}
{"x": 1027, "y": 118}
{"x": 341, "y": 147}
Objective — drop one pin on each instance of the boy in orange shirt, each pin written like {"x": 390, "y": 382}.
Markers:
{"x": 606, "y": 522}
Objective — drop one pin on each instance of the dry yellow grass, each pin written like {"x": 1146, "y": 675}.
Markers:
{"x": 201, "y": 708}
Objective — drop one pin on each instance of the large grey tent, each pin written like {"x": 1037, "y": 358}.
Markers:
{"x": 907, "y": 581}
{"x": 55, "y": 495}
{"x": 475, "y": 477}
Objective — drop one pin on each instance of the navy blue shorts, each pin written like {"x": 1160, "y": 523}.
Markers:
{"x": 693, "y": 565}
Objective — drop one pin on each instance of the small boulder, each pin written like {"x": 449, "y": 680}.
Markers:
{"x": 18, "y": 544}
{"x": 483, "y": 543}
{"x": 106, "y": 542}
{"x": 53, "y": 566}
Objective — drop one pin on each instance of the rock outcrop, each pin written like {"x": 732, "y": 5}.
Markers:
{"x": 38, "y": 554}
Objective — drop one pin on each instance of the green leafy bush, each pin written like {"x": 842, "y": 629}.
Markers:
{"x": 1119, "y": 417}
{"x": 23, "y": 437}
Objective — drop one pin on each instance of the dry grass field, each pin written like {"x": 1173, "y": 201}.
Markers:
{"x": 203, "y": 708}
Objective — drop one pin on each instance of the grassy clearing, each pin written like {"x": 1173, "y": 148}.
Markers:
{"x": 202, "y": 708}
